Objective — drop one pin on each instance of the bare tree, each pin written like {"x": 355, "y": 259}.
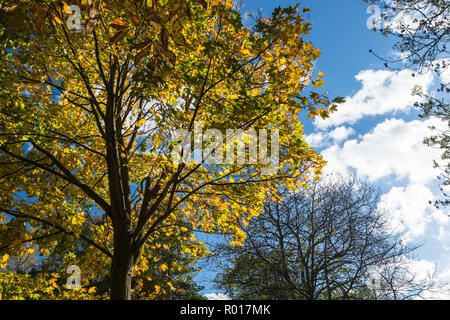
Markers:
{"x": 323, "y": 242}
{"x": 397, "y": 281}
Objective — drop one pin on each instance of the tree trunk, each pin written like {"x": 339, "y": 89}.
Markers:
{"x": 122, "y": 266}
{"x": 120, "y": 279}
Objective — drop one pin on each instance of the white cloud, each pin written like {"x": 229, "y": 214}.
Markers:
{"x": 321, "y": 139}
{"x": 422, "y": 269}
{"x": 442, "y": 292}
{"x": 341, "y": 133}
{"x": 409, "y": 209}
{"x": 394, "y": 147}
{"x": 316, "y": 139}
{"x": 216, "y": 296}
{"x": 382, "y": 92}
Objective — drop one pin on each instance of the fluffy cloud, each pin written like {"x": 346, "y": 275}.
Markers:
{"x": 321, "y": 139}
{"x": 394, "y": 147}
{"x": 216, "y": 296}
{"x": 409, "y": 210}
{"x": 442, "y": 292}
{"x": 382, "y": 92}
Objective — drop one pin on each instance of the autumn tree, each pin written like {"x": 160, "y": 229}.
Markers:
{"x": 88, "y": 120}
{"x": 327, "y": 242}
{"x": 169, "y": 278}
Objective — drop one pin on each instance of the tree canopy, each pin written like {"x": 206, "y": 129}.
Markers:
{"x": 87, "y": 122}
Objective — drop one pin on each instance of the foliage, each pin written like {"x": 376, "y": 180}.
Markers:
{"x": 87, "y": 120}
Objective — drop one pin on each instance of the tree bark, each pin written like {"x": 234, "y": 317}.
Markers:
{"x": 122, "y": 266}
{"x": 125, "y": 258}
{"x": 121, "y": 271}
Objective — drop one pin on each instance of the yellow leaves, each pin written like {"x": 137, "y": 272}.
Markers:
{"x": 236, "y": 243}
{"x": 92, "y": 290}
{"x": 4, "y": 260}
{"x": 71, "y": 255}
{"x": 53, "y": 284}
{"x": 66, "y": 8}
{"x": 255, "y": 92}
{"x": 56, "y": 18}
{"x": 321, "y": 74}
{"x": 318, "y": 83}
{"x": 316, "y": 52}
{"x": 245, "y": 52}
{"x": 170, "y": 284}
{"x": 163, "y": 268}
{"x": 229, "y": 3}
{"x": 211, "y": 209}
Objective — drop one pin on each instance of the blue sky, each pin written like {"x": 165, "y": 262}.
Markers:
{"x": 377, "y": 134}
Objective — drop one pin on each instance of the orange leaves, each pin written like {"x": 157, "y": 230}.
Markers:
{"x": 163, "y": 268}
{"x": 228, "y": 3}
{"x": 56, "y": 18}
{"x": 118, "y": 24}
{"x": 66, "y": 8}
